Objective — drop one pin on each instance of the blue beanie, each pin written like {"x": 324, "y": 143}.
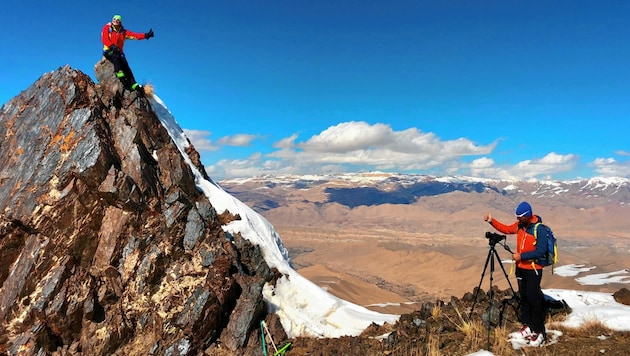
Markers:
{"x": 523, "y": 209}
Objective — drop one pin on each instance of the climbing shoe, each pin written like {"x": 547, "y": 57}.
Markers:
{"x": 120, "y": 74}
{"x": 138, "y": 89}
{"x": 524, "y": 333}
{"x": 537, "y": 339}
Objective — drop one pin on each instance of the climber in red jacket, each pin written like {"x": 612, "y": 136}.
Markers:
{"x": 113, "y": 37}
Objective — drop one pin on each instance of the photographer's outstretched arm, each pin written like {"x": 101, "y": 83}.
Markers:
{"x": 487, "y": 217}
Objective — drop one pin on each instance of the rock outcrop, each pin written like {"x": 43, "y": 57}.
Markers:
{"x": 622, "y": 296}
{"x": 107, "y": 245}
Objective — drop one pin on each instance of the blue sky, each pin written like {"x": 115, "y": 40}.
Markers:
{"x": 497, "y": 89}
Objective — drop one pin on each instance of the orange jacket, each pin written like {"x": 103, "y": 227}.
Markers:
{"x": 112, "y": 36}
{"x": 525, "y": 240}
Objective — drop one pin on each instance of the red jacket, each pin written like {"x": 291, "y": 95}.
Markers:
{"x": 525, "y": 240}
{"x": 112, "y": 36}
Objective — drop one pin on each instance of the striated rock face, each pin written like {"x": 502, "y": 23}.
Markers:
{"x": 106, "y": 245}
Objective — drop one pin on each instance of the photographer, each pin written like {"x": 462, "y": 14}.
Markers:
{"x": 528, "y": 272}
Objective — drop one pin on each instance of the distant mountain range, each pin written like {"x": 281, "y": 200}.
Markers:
{"x": 370, "y": 189}
{"x": 405, "y": 202}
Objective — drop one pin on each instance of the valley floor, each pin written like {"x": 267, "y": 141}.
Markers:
{"x": 370, "y": 268}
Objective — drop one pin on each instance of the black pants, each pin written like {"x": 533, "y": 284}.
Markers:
{"x": 120, "y": 63}
{"x": 532, "y": 299}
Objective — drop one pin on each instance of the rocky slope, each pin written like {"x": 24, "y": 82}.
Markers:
{"x": 107, "y": 246}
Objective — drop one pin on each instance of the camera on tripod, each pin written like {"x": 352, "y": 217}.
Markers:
{"x": 495, "y": 316}
{"x": 494, "y": 238}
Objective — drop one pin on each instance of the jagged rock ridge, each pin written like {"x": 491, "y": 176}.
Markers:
{"x": 107, "y": 246}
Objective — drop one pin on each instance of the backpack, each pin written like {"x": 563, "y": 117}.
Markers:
{"x": 551, "y": 257}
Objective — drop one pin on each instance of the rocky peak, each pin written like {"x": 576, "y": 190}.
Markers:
{"x": 107, "y": 245}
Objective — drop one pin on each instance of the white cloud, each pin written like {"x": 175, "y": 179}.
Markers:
{"x": 380, "y": 140}
{"x": 482, "y": 163}
{"x": 255, "y": 165}
{"x": 610, "y": 167}
{"x": 240, "y": 140}
{"x": 552, "y": 163}
{"x": 350, "y": 136}
{"x": 249, "y": 167}
{"x": 375, "y": 146}
{"x": 359, "y": 146}
{"x": 199, "y": 139}
{"x": 287, "y": 142}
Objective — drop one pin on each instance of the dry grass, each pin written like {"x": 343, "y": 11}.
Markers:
{"x": 433, "y": 345}
{"x": 472, "y": 329}
{"x": 500, "y": 344}
{"x": 590, "y": 328}
{"x": 437, "y": 310}
{"x": 475, "y": 337}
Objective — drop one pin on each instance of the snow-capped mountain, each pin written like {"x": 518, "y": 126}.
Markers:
{"x": 355, "y": 189}
{"x": 401, "y": 202}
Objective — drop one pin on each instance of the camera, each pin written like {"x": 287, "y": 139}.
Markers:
{"x": 494, "y": 238}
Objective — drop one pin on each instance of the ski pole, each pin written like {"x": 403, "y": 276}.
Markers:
{"x": 270, "y": 337}
{"x": 264, "y": 343}
{"x": 282, "y": 350}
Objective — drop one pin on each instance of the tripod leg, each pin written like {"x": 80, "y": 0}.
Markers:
{"x": 472, "y": 307}
{"x": 491, "y": 307}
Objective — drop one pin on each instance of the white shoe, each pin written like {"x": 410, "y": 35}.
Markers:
{"x": 537, "y": 339}
{"x": 524, "y": 333}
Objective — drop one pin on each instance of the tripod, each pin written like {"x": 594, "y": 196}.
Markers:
{"x": 493, "y": 239}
